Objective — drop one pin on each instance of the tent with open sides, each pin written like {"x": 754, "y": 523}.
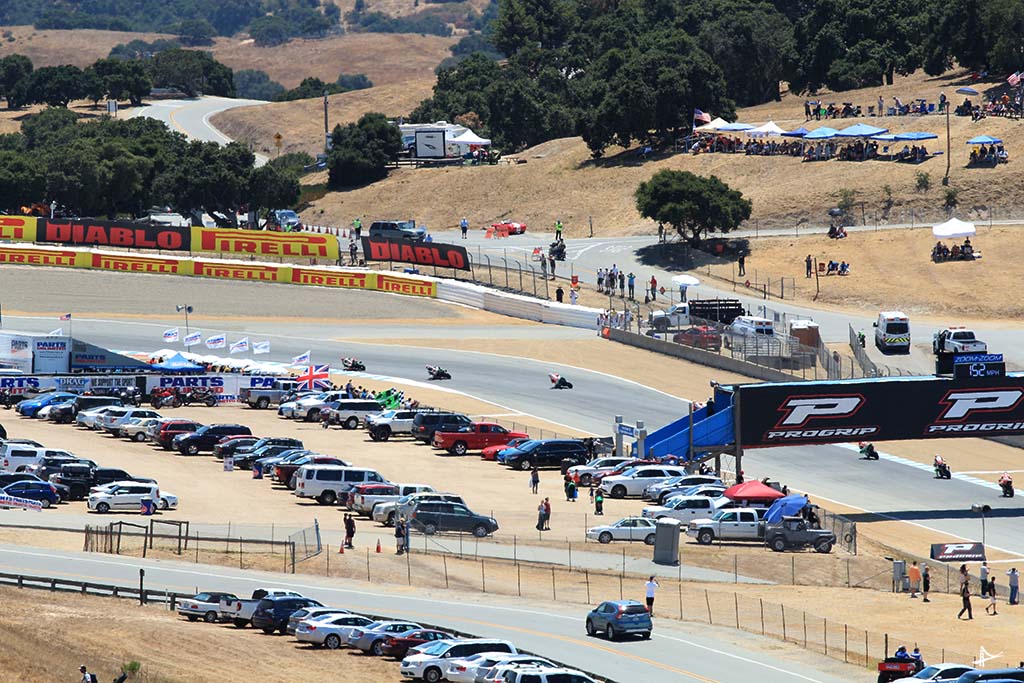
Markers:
{"x": 770, "y": 128}
{"x": 915, "y": 136}
{"x": 469, "y": 139}
{"x": 861, "y": 130}
{"x": 953, "y": 228}
{"x": 735, "y": 127}
{"x": 798, "y": 133}
{"x": 712, "y": 127}
{"x": 823, "y": 133}
{"x": 984, "y": 140}
{"x": 752, "y": 490}
{"x": 177, "y": 363}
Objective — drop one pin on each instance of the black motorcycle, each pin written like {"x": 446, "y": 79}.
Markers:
{"x": 5, "y": 399}
{"x": 559, "y": 382}
{"x": 869, "y": 452}
{"x": 437, "y": 372}
{"x": 942, "y": 471}
{"x": 352, "y": 364}
{"x": 203, "y": 396}
{"x": 1007, "y": 487}
{"x": 130, "y": 397}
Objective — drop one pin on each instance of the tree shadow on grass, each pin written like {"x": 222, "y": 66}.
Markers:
{"x": 677, "y": 256}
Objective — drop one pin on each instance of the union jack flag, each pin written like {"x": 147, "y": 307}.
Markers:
{"x": 315, "y": 377}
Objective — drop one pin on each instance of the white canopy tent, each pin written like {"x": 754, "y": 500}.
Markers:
{"x": 470, "y": 139}
{"x": 952, "y": 228}
{"x": 713, "y": 126}
{"x": 767, "y": 129}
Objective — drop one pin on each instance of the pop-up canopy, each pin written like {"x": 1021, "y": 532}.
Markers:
{"x": 752, "y": 490}
{"x": 953, "y": 228}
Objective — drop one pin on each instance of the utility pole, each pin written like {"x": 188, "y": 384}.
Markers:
{"x": 327, "y": 134}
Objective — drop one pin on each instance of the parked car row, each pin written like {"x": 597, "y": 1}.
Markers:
{"x": 426, "y": 653}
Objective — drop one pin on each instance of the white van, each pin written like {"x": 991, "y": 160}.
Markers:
{"x": 15, "y": 457}
{"x": 350, "y": 411}
{"x": 892, "y": 331}
{"x": 749, "y": 326}
{"x": 331, "y": 484}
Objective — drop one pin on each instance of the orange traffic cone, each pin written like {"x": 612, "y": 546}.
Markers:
{"x": 378, "y": 545}
{"x": 341, "y": 548}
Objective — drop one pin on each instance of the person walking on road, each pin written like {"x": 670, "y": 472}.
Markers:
{"x": 965, "y": 594}
{"x": 1014, "y": 584}
{"x": 991, "y": 590}
{"x": 350, "y": 531}
{"x": 984, "y": 579}
{"x": 651, "y": 587}
{"x": 534, "y": 479}
{"x": 401, "y": 530}
{"x": 914, "y": 573}
{"x": 464, "y": 224}
{"x": 926, "y": 583}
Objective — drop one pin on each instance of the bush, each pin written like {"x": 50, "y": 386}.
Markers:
{"x": 360, "y": 152}
{"x": 270, "y": 31}
{"x": 950, "y": 199}
{"x": 428, "y": 22}
{"x": 354, "y": 82}
{"x": 922, "y": 181}
{"x": 251, "y": 84}
{"x": 309, "y": 88}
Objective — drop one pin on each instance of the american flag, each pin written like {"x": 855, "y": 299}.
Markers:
{"x": 66, "y": 316}
{"x": 1014, "y": 79}
{"x": 315, "y": 377}
{"x": 703, "y": 117}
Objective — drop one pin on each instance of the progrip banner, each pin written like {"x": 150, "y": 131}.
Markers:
{"x": 418, "y": 253}
{"x": 87, "y": 232}
{"x": 886, "y": 409}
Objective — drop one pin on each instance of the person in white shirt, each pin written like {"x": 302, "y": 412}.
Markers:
{"x": 651, "y": 586}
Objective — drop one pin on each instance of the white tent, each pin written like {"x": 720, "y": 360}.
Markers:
{"x": 769, "y": 128}
{"x": 470, "y": 139}
{"x": 953, "y": 228}
{"x": 712, "y": 127}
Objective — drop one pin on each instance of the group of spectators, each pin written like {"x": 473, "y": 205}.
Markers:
{"x": 611, "y": 279}
{"x": 989, "y": 155}
{"x": 620, "y": 320}
{"x": 818, "y": 110}
{"x": 840, "y": 268}
{"x": 958, "y": 252}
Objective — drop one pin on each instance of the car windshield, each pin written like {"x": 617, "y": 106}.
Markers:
{"x": 528, "y": 446}
{"x": 405, "y": 225}
{"x": 434, "y": 648}
{"x": 630, "y": 472}
{"x": 927, "y": 672}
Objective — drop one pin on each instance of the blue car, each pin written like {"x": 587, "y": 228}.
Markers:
{"x": 616, "y": 618}
{"x": 30, "y": 407}
{"x": 33, "y": 490}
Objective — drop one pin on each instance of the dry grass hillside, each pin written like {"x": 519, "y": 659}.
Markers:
{"x": 55, "y": 47}
{"x": 302, "y": 122}
{"x": 559, "y": 179}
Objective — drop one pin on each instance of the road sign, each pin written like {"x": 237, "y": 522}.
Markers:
{"x": 627, "y": 430}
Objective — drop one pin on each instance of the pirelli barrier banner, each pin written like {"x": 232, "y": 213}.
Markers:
{"x": 223, "y": 270}
{"x": 81, "y": 232}
{"x": 418, "y": 253}
{"x": 887, "y": 409}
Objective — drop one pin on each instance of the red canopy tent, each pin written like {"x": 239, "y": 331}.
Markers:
{"x": 752, "y": 490}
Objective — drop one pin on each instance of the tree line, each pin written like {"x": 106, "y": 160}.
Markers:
{"x": 618, "y": 71}
{"x": 111, "y": 167}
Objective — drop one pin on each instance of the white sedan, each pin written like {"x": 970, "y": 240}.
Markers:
{"x": 205, "y": 606}
{"x": 90, "y": 419}
{"x": 137, "y": 428}
{"x": 331, "y": 632}
{"x": 628, "y": 529}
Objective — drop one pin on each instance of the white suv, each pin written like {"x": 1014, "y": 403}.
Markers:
{"x": 332, "y": 483}
{"x": 384, "y": 425}
{"x": 472, "y": 668}
{"x": 15, "y": 457}
{"x": 128, "y": 495}
{"x": 633, "y": 481}
{"x": 430, "y": 663}
{"x": 605, "y": 464}
{"x": 539, "y": 675}
{"x": 113, "y": 420}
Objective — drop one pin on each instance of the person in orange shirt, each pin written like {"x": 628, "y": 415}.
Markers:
{"x": 915, "y": 578}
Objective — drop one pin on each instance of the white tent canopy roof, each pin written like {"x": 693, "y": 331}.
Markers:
{"x": 470, "y": 138}
{"x": 713, "y": 126}
{"x": 769, "y": 128}
{"x": 954, "y": 227}
{"x": 685, "y": 280}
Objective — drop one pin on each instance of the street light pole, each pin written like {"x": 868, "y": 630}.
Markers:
{"x": 187, "y": 309}
{"x": 982, "y": 510}
{"x": 949, "y": 151}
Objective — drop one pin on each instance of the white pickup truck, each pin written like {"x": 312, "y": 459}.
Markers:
{"x": 730, "y": 524}
{"x": 363, "y": 503}
{"x": 957, "y": 340}
{"x": 239, "y": 611}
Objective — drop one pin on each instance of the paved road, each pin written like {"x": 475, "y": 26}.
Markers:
{"x": 192, "y": 117}
{"x": 677, "y": 652}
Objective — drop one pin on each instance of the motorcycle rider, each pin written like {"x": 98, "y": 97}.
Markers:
{"x": 1006, "y": 483}
{"x": 559, "y": 382}
{"x": 941, "y": 468}
{"x": 868, "y": 451}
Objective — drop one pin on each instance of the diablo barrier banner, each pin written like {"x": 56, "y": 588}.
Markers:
{"x": 418, "y": 253}
{"x": 93, "y": 233}
{"x": 265, "y": 243}
{"x": 885, "y": 409}
{"x": 18, "y": 228}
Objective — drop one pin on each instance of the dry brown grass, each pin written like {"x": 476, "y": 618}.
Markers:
{"x": 80, "y": 47}
{"x": 47, "y": 636}
{"x": 883, "y": 262}
{"x": 559, "y": 180}
{"x": 301, "y": 122}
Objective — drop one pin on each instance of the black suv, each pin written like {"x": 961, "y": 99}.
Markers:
{"x": 273, "y": 611}
{"x": 51, "y": 464}
{"x": 64, "y": 413}
{"x": 80, "y": 477}
{"x": 548, "y": 453}
{"x": 425, "y": 424}
{"x": 433, "y": 516}
{"x": 205, "y": 438}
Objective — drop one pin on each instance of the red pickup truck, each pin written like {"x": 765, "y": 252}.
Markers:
{"x": 474, "y": 437}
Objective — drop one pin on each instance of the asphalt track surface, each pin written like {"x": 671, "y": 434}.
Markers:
{"x": 676, "y": 653}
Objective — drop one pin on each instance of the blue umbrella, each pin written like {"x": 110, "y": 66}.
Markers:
{"x": 984, "y": 140}
{"x": 967, "y": 91}
{"x": 822, "y": 133}
{"x": 798, "y": 133}
{"x": 735, "y": 127}
{"x": 785, "y": 507}
{"x": 916, "y": 136}
{"x": 860, "y": 130}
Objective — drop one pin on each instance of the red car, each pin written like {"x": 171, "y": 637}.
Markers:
{"x": 513, "y": 228}
{"x": 397, "y": 646}
{"x": 474, "y": 437}
{"x": 701, "y": 337}
{"x": 171, "y": 428}
{"x": 491, "y": 452}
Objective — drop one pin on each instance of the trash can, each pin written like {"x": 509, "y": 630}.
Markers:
{"x": 900, "y": 580}
{"x": 666, "y": 541}
{"x": 147, "y": 506}
{"x": 257, "y": 471}
{"x": 566, "y": 464}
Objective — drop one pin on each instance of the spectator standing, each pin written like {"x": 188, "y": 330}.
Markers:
{"x": 631, "y": 279}
{"x": 965, "y": 593}
{"x": 650, "y": 588}
{"x": 558, "y": 230}
{"x": 914, "y": 573}
{"x": 600, "y": 280}
{"x": 654, "y": 288}
{"x": 984, "y": 579}
{"x": 353, "y": 252}
{"x": 534, "y": 479}
{"x": 559, "y": 294}
{"x": 742, "y": 262}
{"x": 540, "y": 516}
{"x": 1014, "y": 584}
{"x": 573, "y": 296}
{"x": 598, "y": 502}
{"x": 357, "y": 226}
{"x": 809, "y": 262}
{"x": 401, "y": 531}
{"x": 926, "y": 582}
{"x": 350, "y": 531}
{"x": 551, "y": 261}
{"x": 661, "y": 232}
{"x": 464, "y": 224}
{"x": 622, "y": 284}
{"x": 547, "y": 514}
{"x": 991, "y": 590}
{"x": 86, "y": 676}
{"x": 881, "y": 106}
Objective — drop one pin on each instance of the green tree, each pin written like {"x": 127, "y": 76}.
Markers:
{"x": 50, "y": 128}
{"x": 229, "y": 16}
{"x": 695, "y": 206}
{"x": 256, "y": 85}
{"x": 361, "y": 151}
{"x": 195, "y": 32}
{"x": 353, "y": 82}
{"x": 15, "y": 72}
{"x": 93, "y": 87}
{"x": 124, "y": 79}
{"x": 309, "y": 87}
{"x": 270, "y": 31}
{"x": 21, "y": 180}
{"x": 532, "y": 23}
{"x": 271, "y": 187}
{"x": 1004, "y": 23}
{"x": 57, "y": 85}
{"x": 191, "y": 71}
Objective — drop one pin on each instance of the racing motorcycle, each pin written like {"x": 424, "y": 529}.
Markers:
{"x": 6, "y": 399}
{"x": 559, "y": 382}
{"x": 868, "y": 451}
{"x": 200, "y": 395}
{"x": 437, "y": 372}
{"x": 162, "y": 398}
{"x": 130, "y": 396}
{"x": 1006, "y": 484}
{"x": 352, "y": 364}
{"x": 942, "y": 470}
